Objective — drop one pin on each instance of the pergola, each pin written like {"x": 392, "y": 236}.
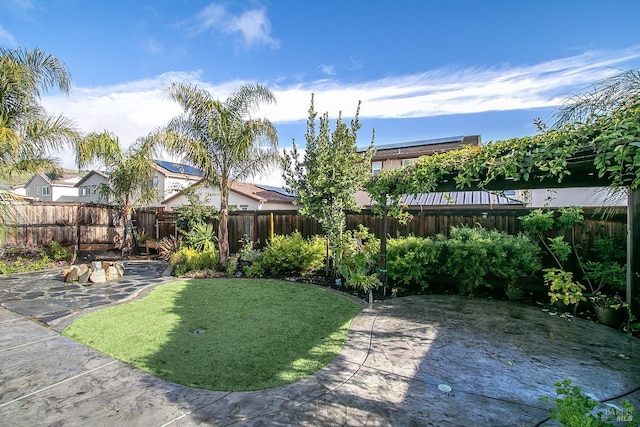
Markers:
{"x": 582, "y": 173}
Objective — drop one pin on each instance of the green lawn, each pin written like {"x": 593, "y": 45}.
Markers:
{"x": 223, "y": 334}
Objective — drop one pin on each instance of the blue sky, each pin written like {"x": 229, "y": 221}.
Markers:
{"x": 422, "y": 69}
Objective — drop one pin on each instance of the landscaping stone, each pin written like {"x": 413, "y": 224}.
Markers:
{"x": 98, "y": 275}
{"x": 71, "y": 275}
{"x": 99, "y": 272}
{"x": 112, "y": 274}
{"x": 84, "y": 277}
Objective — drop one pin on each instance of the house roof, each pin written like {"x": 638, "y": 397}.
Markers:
{"x": 260, "y": 193}
{"x": 105, "y": 175}
{"x": 278, "y": 190}
{"x": 178, "y": 168}
{"x": 459, "y": 139}
{"x": 460, "y": 198}
{"x": 58, "y": 180}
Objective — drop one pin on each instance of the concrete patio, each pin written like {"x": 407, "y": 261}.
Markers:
{"x": 498, "y": 358}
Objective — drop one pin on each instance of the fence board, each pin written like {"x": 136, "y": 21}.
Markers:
{"x": 43, "y": 222}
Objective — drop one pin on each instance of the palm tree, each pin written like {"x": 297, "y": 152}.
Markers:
{"x": 27, "y": 133}
{"x": 131, "y": 172}
{"x": 605, "y": 97}
{"x": 223, "y": 140}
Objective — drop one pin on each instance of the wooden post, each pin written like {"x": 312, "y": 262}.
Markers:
{"x": 383, "y": 251}
{"x": 271, "y": 226}
{"x": 633, "y": 252}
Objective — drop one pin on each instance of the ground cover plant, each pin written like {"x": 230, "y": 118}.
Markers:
{"x": 21, "y": 258}
{"x": 224, "y": 334}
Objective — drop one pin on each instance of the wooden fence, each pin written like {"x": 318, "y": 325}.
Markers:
{"x": 258, "y": 225}
{"x": 92, "y": 227}
{"x": 101, "y": 227}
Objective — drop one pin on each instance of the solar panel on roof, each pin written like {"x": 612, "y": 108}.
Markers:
{"x": 179, "y": 168}
{"x": 275, "y": 189}
{"x": 421, "y": 142}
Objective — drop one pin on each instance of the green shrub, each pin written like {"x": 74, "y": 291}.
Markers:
{"x": 412, "y": 262}
{"x": 573, "y": 408}
{"x": 358, "y": 260}
{"x": 472, "y": 257}
{"x": 293, "y": 254}
{"x": 58, "y": 252}
{"x": 189, "y": 259}
{"x": 202, "y": 237}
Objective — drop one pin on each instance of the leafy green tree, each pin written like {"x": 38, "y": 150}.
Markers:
{"x": 222, "y": 139}
{"x": 28, "y": 134}
{"x": 131, "y": 172}
{"x": 330, "y": 173}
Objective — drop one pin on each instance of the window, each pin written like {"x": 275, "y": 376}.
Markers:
{"x": 244, "y": 207}
{"x": 407, "y": 162}
{"x": 85, "y": 191}
{"x": 38, "y": 191}
{"x": 154, "y": 181}
{"x": 376, "y": 168}
{"x": 94, "y": 189}
{"x": 46, "y": 190}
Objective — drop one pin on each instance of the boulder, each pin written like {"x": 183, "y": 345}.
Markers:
{"x": 120, "y": 267}
{"x": 71, "y": 275}
{"x": 84, "y": 276}
{"x": 112, "y": 274}
{"x": 98, "y": 275}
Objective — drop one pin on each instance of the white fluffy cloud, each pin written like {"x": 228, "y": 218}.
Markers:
{"x": 134, "y": 109}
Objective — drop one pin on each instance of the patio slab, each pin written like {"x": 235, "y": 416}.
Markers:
{"x": 497, "y": 357}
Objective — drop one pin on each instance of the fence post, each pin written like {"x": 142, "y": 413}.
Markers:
{"x": 633, "y": 251}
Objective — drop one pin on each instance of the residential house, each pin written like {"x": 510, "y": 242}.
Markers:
{"x": 563, "y": 197}
{"x": 243, "y": 196}
{"x": 393, "y": 156}
{"x": 170, "y": 178}
{"x": 49, "y": 187}
{"x": 88, "y": 187}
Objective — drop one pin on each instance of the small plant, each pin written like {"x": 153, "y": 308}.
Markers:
{"x": 562, "y": 287}
{"x": 202, "y": 237}
{"x": 573, "y": 408}
{"x": 189, "y": 259}
{"x": 169, "y": 245}
{"x": 614, "y": 302}
{"x": 357, "y": 274}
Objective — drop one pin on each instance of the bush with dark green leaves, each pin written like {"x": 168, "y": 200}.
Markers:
{"x": 471, "y": 258}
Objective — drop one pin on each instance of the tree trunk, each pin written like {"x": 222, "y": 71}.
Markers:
{"x": 126, "y": 244}
{"x": 223, "y": 230}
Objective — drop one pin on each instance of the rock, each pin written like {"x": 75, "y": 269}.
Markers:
{"x": 83, "y": 269}
{"x": 120, "y": 267}
{"x": 84, "y": 277}
{"x": 71, "y": 275}
{"x": 106, "y": 265}
{"x": 98, "y": 275}
{"x": 96, "y": 265}
{"x": 112, "y": 274}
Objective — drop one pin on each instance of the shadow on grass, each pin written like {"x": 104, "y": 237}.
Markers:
{"x": 231, "y": 335}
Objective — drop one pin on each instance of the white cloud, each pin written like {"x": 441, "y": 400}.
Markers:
{"x": 329, "y": 70}
{"x": 253, "y": 26}
{"x": 6, "y": 38}
{"x": 133, "y": 109}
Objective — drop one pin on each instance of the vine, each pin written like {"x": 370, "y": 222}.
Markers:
{"x": 612, "y": 140}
